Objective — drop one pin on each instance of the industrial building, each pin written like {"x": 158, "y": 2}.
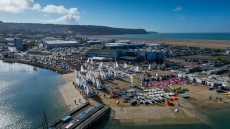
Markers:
{"x": 123, "y": 41}
{"x": 59, "y": 43}
{"x": 155, "y": 44}
{"x": 151, "y": 44}
{"x": 19, "y": 44}
{"x": 104, "y": 40}
{"x": 227, "y": 50}
{"x": 123, "y": 45}
{"x": 124, "y": 54}
{"x": 9, "y": 40}
{"x": 93, "y": 42}
{"x": 101, "y": 53}
{"x": 139, "y": 56}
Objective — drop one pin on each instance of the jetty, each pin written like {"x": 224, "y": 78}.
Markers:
{"x": 81, "y": 117}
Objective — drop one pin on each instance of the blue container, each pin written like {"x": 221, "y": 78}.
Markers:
{"x": 80, "y": 117}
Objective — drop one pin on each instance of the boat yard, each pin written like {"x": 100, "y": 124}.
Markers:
{"x": 140, "y": 84}
{"x": 132, "y": 98}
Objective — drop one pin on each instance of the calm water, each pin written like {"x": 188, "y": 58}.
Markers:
{"x": 25, "y": 92}
{"x": 205, "y": 36}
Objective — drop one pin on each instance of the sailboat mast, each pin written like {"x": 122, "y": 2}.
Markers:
{"x": 46, "y": 123}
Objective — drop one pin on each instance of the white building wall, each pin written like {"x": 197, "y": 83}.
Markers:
{"x": 227, "y": 50}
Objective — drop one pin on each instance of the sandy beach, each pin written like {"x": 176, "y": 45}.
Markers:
{"x": 70, "y": 93}
{"x": 221, "y": 44}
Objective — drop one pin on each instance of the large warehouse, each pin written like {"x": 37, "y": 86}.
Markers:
{"x": 101, "y": 53}
{"x": 124, "y": 54}
{"x": 122, "y": 45}
{"x": 139, "y": 55}
{"x": 59, "y": 43}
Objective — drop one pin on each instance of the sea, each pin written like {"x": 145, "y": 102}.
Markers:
{"x": 27, "y": 91}
{"x": 202, "y": 36}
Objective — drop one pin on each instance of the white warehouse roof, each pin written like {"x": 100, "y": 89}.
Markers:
{"x": 122, "y": 44}
{"x": 60, "y": 42}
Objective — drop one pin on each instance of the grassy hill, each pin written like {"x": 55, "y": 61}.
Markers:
{"x": 56, "y": 28}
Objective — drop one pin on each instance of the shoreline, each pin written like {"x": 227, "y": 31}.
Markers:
{"x": 69, "y": 93}
{"x": 146, "y": 114}
{"x": 68, "y": 76}
{"x": 54, "y": 69}
{"x": 218, "y": 44}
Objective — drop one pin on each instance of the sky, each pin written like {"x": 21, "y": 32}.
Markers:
{"x": 164, "y": 16}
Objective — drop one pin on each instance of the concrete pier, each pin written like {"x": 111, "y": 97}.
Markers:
{"x": 81, "y": 117}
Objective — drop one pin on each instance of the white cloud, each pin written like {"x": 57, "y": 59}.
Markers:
{"x": 73, "y": 11}
{"x": 178, "y": 8}
{"x": 36, "y": 7}
{"x": 67, "y": 19}
{"x": 15, "y": 6}
{"x": 71, "y": 15}
{"x": 59, "y": 9}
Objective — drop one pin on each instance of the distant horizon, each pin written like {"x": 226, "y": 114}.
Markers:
{"x": 201, "y": 36}
{"x": 149, "y": 31}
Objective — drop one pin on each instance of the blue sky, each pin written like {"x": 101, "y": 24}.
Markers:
{"x": 154, "y": 15}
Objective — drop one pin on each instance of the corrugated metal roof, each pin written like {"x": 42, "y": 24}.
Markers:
{"x": 102, "y": 51}
{"x": 60, "y": 42}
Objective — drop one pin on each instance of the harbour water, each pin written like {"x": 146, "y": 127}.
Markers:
{"x": 25, "y": 91}
{"x": 203, "y": 36}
